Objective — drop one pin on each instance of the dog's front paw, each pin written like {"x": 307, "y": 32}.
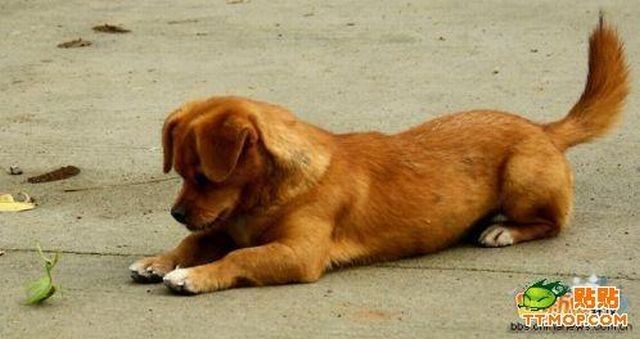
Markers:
{"x": 151, "y": 270}
{"x": 180, "y": 282}
{"x": 496, "y": 236}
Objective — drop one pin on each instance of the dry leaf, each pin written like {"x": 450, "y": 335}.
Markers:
{"x": 58, "y": 174}
{"x": 106, "y": 28}
{"x": 75, "y": 43}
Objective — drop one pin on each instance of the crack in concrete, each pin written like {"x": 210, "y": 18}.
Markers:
{"x": 382, "y": 265}
{"x": 100, "y": 254}
{"x": 488, "y": 270}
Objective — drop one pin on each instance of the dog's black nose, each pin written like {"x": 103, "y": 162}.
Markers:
{"x": 179, "y": 213}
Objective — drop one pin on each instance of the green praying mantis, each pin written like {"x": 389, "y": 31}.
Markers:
{"x": 43, "y": 288}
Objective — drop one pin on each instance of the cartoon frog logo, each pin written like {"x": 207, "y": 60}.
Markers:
{"x": 541, "y": 295}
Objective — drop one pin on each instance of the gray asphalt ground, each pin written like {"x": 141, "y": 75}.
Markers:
{"x": 343, "y": 65}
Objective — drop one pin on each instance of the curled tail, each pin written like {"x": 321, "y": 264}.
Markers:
{"x": 600, "y": 105}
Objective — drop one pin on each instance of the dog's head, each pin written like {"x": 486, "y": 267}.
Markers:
{"x": 224, "y": 147}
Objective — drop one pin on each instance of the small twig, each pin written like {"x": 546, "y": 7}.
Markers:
{"x": 136, "y": 183}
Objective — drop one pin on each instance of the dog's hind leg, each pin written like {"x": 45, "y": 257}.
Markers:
{"x": 535, "y": 197}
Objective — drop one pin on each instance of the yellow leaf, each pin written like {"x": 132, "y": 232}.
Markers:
{"x": 9, "y": 204}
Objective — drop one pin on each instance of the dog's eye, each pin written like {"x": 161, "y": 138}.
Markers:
{"x": 200, "y": 179}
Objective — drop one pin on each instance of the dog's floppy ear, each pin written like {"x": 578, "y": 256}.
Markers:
{"x": 167, "y": 140}
{"x": 220, "y": 146}
{"x": 170, "y": 124}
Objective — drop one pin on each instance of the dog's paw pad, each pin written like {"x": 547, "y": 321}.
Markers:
{"x": 496, "y": 236}
{"x": 177, "y": 281}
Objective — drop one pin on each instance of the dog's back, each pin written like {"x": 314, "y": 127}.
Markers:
{"x": 424, "y": 187}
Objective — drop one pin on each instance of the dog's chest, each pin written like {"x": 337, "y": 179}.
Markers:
{"x": 242, "y": 231}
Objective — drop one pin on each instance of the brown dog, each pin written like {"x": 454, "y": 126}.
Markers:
{"x": 273, "y": 200}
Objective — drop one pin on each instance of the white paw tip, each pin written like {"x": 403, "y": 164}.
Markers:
{"x": 496, "y": 236}
{"x": 176, "y": 277}
{"x": 136, "y": 267}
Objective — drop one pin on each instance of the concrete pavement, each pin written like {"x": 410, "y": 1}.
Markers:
{"x": 343, "y": 65}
